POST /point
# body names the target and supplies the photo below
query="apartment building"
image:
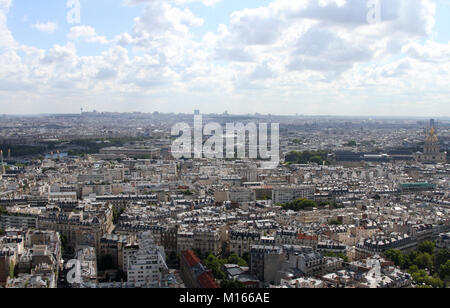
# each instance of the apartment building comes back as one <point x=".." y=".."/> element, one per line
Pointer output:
<point x="241" y="241"/>
<point x="265" y="262"/>
<point x="287" y="194"/>
<point x="148" y="266"/>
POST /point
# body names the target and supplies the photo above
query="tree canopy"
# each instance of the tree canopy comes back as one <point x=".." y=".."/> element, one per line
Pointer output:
<point x="216" y="264"/>
<point x="231" y="284"/>
<point x="307" y="157"/>
<point x="428" y="266"/>
<point x="300" y="204"/>
<point x="427" y="247"/>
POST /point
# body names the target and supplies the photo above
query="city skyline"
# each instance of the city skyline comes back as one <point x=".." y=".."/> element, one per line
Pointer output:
<point x="242" y="115"/>
<point x="224" y="151"/>
<point x="268" y="57"/>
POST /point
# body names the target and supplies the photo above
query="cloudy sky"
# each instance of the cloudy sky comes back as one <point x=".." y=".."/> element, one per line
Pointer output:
<point x="313" y="57"/>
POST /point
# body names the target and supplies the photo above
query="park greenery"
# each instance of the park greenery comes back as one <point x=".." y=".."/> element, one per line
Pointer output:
<point x="12" y="270"/>
<point x="23" y="150"/>
<point x="73" y="147"/>
<point x="351" y="143"/>
<point x="231" y="284"/>
<point x="318" y="157"/>
<point x="3" y="211"/>
<point x="216" y="265"/>
<point x="303" y="204"/>
<point x="64" y="244"/>
<point x="93" y="146"/>
<point x="334" y="223"/>
<point x="428" y="266"/>
<point x="188" y="193"/>
<point x="300" y="204"/>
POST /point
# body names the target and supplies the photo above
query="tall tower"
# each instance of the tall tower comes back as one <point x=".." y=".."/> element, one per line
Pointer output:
<point x="9" y="154"/>
<point x="433" y="124"/>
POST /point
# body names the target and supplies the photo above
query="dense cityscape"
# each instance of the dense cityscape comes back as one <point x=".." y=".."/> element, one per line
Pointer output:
<point x="97" y="200"/>
<point x="224" y="152"/>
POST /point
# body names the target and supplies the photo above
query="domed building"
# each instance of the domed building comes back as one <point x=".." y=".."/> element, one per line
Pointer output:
<point x="432" y="153"/>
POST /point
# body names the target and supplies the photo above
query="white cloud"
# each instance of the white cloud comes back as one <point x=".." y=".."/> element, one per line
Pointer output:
<point x="290" y="56"/>
<point x="6" y="38"/>
<point x="209" y="3"/>
<point x="48" y="27"/>
<point x="88" y="33"/>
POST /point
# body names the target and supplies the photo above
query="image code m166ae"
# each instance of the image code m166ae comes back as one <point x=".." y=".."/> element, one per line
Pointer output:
<point x="223" y="152"/>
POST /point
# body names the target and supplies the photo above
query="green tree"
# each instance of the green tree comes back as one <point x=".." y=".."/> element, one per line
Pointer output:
<point x="424" y="261"/>
<point x="316" y="159"/>
<point x="351" y="143"/>
<point x="422" y="278"/>
<point x="435" y="282"/>
<point x="234" y="259"/>
<point x="116" y="214"/>
<point x="334" y="223"/>
<point x="63" y="243"/>
<point x="215" y="265"/>
<point x="444" y="271"/>
<point x="427" y="247"/>
<point x="442" y="256"/>
<point x="413" y="269"/>
<point x="300" y="205"/>
<point x="12" y="271"/>
<point x="231" y="284"/>
<point x="3" y="211"/>
<point x="395" y="256"/>
<point x="307" y="157"/>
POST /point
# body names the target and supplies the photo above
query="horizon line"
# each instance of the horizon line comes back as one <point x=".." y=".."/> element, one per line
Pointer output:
<point x="228" y="114"/>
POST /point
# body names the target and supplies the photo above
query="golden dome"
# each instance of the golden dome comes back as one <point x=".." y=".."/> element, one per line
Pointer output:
<point x="432" y="138"/>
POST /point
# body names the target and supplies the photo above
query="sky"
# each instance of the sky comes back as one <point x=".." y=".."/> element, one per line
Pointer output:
<point x="309" y="57"/>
